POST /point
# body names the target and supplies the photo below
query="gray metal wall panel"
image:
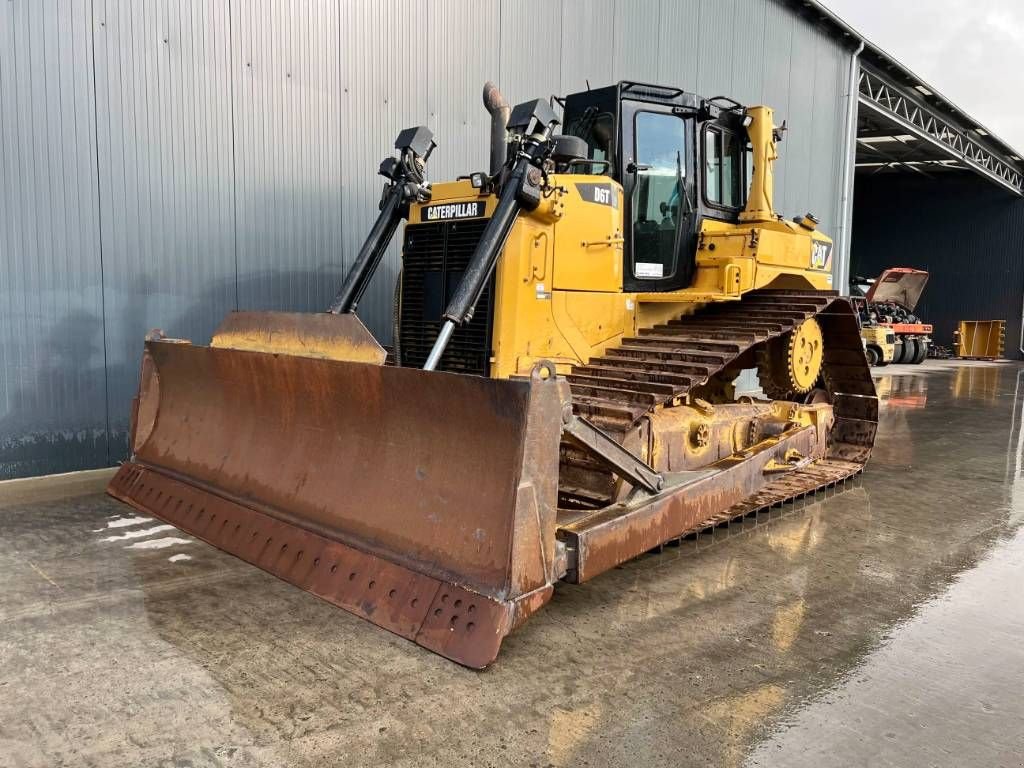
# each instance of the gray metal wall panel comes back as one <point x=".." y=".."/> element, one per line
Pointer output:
<point x="455" y="82"/>
<point x="587" y="39"/>
<point x="235" y="164"/>
<point x="777" y="57"/>
<point x="797" y="151"/>
<point x="716" y="45"/>
<point x="635" y="47"/>
<point x="530" y="49"/>
<point x="52" y="409"/>
<point x="384" y="75"/>
<point x="825" y="176"/>
<point x="749" y="69"/>
<point x="166" y="180"/>
<point x="285" y="74"/>
<point x="679" y="43"/>
<point x="810" y="172"/>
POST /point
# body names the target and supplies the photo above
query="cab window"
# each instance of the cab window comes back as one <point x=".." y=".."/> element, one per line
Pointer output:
<point x="597" y="129"/>
<point x="660" y="163"/>
<point x="725" y="177"/>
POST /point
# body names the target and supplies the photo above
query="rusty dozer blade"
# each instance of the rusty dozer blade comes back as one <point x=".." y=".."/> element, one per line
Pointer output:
<point x="422" y="502"/>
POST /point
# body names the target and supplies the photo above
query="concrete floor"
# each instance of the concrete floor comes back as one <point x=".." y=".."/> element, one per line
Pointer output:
<point x="882" y="626"/>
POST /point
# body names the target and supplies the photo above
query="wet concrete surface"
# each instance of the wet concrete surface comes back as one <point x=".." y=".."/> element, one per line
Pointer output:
<point x="881" y="626"/>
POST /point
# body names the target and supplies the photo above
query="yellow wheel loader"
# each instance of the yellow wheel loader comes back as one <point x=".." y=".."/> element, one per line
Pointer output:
<point x="569" y="326"/>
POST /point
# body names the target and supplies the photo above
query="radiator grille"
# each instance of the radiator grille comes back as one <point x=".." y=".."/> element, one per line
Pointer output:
<point x="434" y="257"/>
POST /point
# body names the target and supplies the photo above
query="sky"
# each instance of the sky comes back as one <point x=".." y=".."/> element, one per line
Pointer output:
<point x="971" y="51"/>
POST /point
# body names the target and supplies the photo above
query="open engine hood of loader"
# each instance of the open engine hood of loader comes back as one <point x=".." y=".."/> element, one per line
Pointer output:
<point x="899" y="285"/>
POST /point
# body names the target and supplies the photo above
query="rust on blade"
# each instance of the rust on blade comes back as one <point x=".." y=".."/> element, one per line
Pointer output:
<point x="455" y="622"/>
<point x="452" y="479"/>
<point x="323" y="335"/>
<point x="621" y="532"/>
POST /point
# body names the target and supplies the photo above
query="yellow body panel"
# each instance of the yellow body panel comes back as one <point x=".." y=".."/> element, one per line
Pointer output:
<point x="590" y="238"/>
<point x="559" y="281"/>
<point x="559" y="293"/>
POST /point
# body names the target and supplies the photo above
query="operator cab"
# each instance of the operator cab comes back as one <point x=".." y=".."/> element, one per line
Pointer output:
<point x="679" y="158"/>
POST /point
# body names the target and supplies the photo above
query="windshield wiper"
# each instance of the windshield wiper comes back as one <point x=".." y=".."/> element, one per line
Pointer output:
<point x="682" y="186"/>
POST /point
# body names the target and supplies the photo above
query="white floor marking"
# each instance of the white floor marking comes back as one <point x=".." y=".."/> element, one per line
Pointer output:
<point x="166" y="541"/>
<point x="121" y="522"/>
<point x="139" y="533"/>
<point x="179" y="557"/>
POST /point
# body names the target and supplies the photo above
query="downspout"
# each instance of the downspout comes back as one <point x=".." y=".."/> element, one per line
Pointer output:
<point x="846" y="201"/>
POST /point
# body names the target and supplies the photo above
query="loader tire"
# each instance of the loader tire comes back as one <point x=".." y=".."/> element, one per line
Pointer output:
<point x="872" y="355"/>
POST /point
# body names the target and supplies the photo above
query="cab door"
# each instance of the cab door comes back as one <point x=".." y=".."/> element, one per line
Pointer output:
<point x="661" y="220"/>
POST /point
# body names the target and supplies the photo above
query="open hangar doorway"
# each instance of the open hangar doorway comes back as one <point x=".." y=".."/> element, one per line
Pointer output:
<point x="935" y="190"/>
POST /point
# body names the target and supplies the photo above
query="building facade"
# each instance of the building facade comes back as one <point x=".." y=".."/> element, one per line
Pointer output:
<point x="166" y="162"/>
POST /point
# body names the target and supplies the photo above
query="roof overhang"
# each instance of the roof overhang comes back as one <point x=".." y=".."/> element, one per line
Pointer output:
<point x="898" y="130"/>
<point x="906" y="125"/>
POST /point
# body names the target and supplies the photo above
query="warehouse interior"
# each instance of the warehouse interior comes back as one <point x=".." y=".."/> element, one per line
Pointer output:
<point x="287" y="553"/>
<point x="968" y="221"/>
<point x="938" y="191"/>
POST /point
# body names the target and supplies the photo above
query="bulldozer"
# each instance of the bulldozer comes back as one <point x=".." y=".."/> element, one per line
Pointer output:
<point x="560" y="395"/>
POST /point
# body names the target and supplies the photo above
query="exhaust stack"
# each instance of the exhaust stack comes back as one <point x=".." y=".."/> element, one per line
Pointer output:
<point x="499" y="110"/>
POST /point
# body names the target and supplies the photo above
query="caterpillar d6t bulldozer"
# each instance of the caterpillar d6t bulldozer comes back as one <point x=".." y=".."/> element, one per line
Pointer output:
<point x="569" y="327"/>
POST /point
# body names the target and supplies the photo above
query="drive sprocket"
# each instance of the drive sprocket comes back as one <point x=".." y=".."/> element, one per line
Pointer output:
<point x="791" y="364"/>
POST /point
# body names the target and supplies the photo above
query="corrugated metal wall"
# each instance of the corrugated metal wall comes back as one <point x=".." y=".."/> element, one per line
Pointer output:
<point x="167" y="161"/>
<point x="967" y="232"/>
<point x="52" y="347"/>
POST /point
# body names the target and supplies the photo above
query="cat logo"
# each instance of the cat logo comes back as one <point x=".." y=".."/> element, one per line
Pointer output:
<point x="447" y="211"/>
<point x="821" y="255"/>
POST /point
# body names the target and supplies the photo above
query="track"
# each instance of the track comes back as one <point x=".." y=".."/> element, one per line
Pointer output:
<point x="659" y="367"/>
